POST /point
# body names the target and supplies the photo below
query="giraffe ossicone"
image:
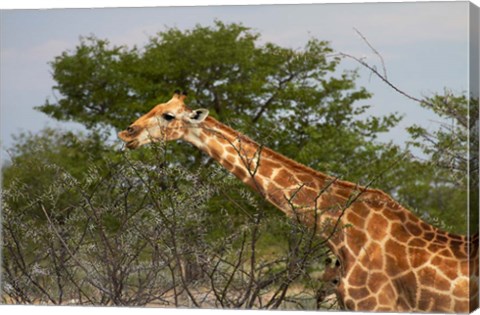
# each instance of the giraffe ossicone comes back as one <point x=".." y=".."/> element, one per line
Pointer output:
<point x="390" y="260"/>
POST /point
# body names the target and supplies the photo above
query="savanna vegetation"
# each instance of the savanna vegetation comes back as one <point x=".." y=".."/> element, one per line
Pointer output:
<point x="85" y="222"/>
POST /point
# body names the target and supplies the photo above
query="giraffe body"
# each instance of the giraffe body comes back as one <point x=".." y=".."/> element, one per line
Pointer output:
<point x="390" y="260"/>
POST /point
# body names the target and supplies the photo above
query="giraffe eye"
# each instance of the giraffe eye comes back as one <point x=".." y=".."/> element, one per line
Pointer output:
<point x="168" y="117"/>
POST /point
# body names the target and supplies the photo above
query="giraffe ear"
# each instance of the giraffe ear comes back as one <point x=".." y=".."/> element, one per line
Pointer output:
<point x="198" y="115"/>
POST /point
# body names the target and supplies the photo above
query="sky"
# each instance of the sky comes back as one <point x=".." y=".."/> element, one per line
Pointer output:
<point x="424" y="47"/>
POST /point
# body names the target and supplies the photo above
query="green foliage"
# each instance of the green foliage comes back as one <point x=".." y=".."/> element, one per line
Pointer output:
<point x="37" y="162"/>
<point x="223" y="67"/>
<point x="452" y="150"/>
<point x="448" y="145"/>
<point x="63" y="148"/>
<point x="93" y="82"/>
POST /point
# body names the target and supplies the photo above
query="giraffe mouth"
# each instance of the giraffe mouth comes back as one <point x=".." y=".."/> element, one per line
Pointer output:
<point x="132" y="144"/>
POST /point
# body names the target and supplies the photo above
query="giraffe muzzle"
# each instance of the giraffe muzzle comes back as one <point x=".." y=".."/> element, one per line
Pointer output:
<point x="132" y="144"/>
<point x="127" y="135"/>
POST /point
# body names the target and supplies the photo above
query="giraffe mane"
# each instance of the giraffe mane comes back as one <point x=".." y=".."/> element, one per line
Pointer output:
<point x="367" y="192"/>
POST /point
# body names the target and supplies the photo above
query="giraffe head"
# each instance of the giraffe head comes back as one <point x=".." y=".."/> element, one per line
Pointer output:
<point x="165" y="122"/>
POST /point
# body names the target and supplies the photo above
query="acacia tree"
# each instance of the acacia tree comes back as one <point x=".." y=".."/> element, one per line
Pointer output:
<point x="256" y="88"/>
<point x="293" y="100"/>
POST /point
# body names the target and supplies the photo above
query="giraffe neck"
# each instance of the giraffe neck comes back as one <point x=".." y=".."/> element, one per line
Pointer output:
<point x="290" y="186"/>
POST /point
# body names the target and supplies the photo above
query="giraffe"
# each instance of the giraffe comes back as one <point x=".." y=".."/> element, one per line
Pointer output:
<point x="388" y="259"/>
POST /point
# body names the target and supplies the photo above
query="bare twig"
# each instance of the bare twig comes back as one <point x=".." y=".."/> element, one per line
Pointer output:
<point x="374" y="51"/>
<point x="384" y="79"/>
<point x="67" y="248"/>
